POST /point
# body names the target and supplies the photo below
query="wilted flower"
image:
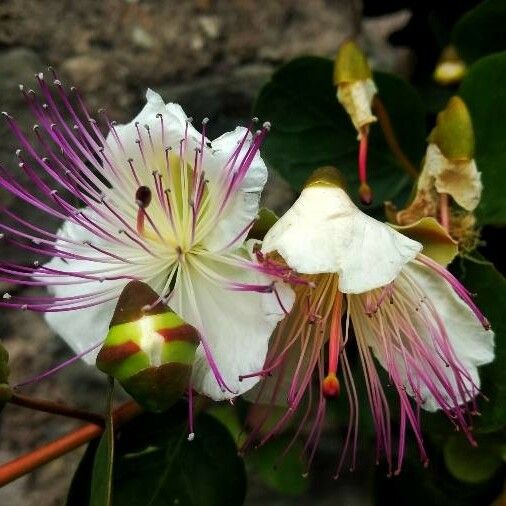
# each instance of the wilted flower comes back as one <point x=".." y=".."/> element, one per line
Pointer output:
<point x="154" y="201"/>
<point x="369" y="286"/>
<point x="355" y="91"/>
<point x="449" y="186"/>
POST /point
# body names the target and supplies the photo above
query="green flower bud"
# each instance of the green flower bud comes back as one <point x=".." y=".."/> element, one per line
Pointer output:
<point x="453" y="133"/>
<point x="350" y="64"/>
<point x="149" y="349"/>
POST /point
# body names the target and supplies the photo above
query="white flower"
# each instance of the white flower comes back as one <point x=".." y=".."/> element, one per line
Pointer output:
<point x="405" y="309"/>
<point x="160" y="203"/>
<point x="458" y="178"/>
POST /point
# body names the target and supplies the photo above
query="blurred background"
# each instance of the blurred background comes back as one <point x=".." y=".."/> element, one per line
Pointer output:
<point x="211" y="56"/>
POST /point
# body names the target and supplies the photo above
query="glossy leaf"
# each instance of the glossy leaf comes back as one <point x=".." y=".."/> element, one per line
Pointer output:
<point x="155" y="464"/>
<point x="484" y="92"/>
<point x="281" y="472"/>
<point x="472" y="464"/>
<point x="480" y="31"/>
<point x="310" y="128"/>
<point x="434" y="486"/>
<point x="481" y="278"/>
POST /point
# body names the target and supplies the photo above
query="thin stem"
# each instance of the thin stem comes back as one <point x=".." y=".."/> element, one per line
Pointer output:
<point x="444" y="211"/>
<point x="65" y="444"/>
<point x="56" y="409"/>
<point x="388" y="131"/>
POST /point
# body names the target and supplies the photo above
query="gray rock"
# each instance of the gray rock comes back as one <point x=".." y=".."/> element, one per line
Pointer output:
<point x="18" y="66"/>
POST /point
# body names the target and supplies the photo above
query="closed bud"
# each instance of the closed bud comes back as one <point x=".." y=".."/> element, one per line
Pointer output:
<point x="350" y="64"/>
<point x="453" y="133"/>
<point x="149" y="349"/>
<point x="450" y="69"/>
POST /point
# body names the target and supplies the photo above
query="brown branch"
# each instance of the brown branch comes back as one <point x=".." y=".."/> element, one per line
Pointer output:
<point x="65" y="444"/>
<point x="56" y="408"/>
<point x="388" y="131"/>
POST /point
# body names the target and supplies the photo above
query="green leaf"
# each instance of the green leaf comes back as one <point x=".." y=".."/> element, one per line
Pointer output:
<point x="432" y="486"/>
<point x="155" y="464"/>
<point x="480" y="31"/>
<point x="283" y="473"/>
<point x="101" y="479"/>
<point x="472" y="464"/>
<point x="481" y="278"/>
<point x="484" y="92"/>
<point x="310" y="128"/>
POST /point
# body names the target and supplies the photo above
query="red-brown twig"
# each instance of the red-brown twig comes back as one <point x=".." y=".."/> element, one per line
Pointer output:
<point x="65" y="444"/>
<point x="56" y="408"/>
<point x="388" y="131"/>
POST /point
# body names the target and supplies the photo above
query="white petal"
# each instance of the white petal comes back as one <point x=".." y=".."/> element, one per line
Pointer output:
<point x="174" y="127"/>
<point x="325" y="232"/>
<point x="243" y="207"/>
<point x="81" y="328"/>
<point x="472" y="344"/>
<point x="236" y="325"/>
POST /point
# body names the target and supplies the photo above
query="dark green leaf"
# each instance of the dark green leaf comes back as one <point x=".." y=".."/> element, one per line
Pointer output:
<point x="481" y="278"/>
<point x="311" y="129"/>
<point x="155" y="464"/>
<point x="101" y="479"/>
<point x="434" y="486"/>
<point x="472" y="464"/>
<point x="484" y="92"/>
<point x="480" y="32"/>
<point x="281" y="472"/>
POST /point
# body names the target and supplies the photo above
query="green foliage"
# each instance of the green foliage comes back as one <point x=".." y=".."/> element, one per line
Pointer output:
<point x="484" y="92"/>
<point x="472" y="464"/>
<point x="310" y="128"/>
<point x="482" y="278"/>
<point x="480" y="32"/>
<point x="155" y="464"/>
<point x="282" y="472"/>
<point x="434" y="486"/>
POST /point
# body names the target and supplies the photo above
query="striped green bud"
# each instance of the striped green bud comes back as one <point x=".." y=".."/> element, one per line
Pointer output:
<point x="149" y="349"/>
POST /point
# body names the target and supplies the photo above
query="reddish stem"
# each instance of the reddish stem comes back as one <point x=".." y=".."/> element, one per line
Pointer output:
<point x="388" y="131"/>
<point x="65" y="444"/>
<point x="56" y="408"/>
<point x="444" y="211"/>
<point x="362" y="157"/>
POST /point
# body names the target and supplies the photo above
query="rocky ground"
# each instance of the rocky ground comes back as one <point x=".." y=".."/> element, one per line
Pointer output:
<point x="212" y="57"/>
